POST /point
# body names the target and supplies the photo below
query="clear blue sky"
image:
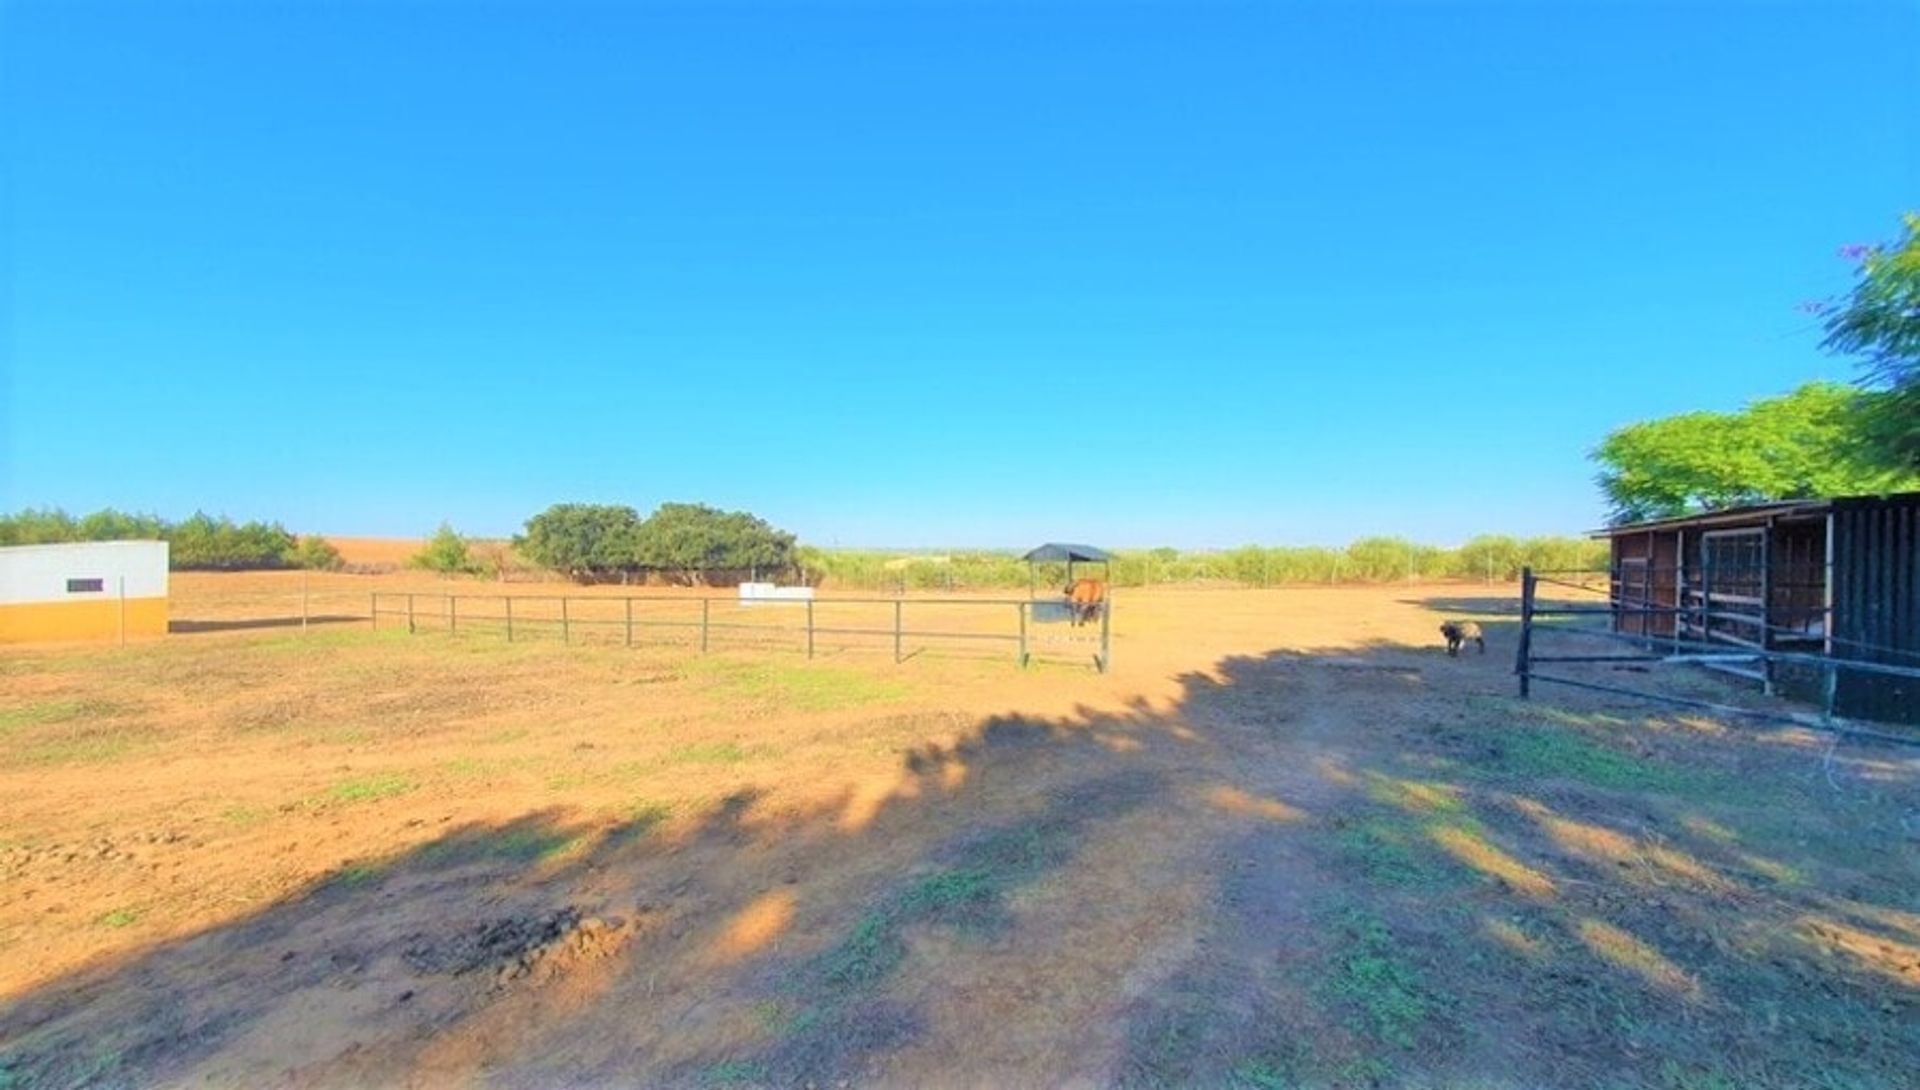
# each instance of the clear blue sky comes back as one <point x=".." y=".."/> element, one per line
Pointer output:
<point x="914" y="273"/>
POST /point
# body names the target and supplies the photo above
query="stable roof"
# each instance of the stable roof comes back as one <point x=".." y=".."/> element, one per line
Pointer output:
<point x="1746" y="513"/>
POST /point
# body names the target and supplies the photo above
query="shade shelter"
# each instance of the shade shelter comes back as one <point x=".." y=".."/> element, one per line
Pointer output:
<point x="1054" y="552"/>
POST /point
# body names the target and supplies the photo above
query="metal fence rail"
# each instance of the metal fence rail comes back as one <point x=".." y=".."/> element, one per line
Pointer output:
<point x="629" y="618"/>
<point x="1699" y="646"/>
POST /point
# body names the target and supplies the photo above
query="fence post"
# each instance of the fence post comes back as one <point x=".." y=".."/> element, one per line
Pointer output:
<point x="1021" y="608"/>
<point x="565" y="635"/>
<point x="409" y="614"/>
<point x="123" y="611"/>
<point x="896" y="630"/>
<point x="810" y="627"/>
<point x="1524" y="650"/>
<point x="704" y="613"/>
<point x="373" y="610"/>
<point x="453" y="615"/>
<point x="629" y="622"/>
<point x="305" y="578"/>
<point x="508" y="599"/>
<point x="1106" y="634"/>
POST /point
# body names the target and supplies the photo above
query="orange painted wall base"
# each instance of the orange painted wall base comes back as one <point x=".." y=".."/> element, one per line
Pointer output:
<point x="94" y="619"/>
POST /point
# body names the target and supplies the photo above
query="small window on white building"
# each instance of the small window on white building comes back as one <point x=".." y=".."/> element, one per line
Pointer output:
<point x="86" y="586"/>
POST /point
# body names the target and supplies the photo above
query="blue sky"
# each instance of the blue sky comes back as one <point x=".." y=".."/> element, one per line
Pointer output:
<point x="914" y="273"/>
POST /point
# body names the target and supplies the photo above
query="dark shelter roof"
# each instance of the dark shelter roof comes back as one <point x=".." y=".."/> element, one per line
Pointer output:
<point x="1055" y="550"/>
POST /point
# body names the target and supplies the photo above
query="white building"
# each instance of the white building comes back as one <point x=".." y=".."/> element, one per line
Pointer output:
<point x="83" y="590"/>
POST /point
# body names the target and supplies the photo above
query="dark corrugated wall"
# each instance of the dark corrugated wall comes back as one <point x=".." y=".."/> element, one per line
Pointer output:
<point x="1876" y="604"/>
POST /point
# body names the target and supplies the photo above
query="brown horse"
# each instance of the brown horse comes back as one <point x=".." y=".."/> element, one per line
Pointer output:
<point x="1085" y="599"/>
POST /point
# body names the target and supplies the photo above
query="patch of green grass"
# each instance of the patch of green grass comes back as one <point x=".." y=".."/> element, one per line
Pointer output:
<point x="520" y="845"/>
<point x="358" y="874"/>
<point x="733" y="1073"/>
<point x="93" y="747"/>
<point x="1387" y="993"/>
<point x="969" y="895"/>
<point x="1261" y="1074"/>
<point x="1676" y="1076"/>
<point x="66" y="732"/>
<point x="46" y="712"/>
<point x="869" y="952"/>
<point x="385" y="785"/>
<point x="796" y="687"/>
<point x="1391" y="853"/>
<point x="329" y="637"/>
<point x="121" y="917"/>
<point x="640" y="819"/>
<point x="707" y="753"/>
<point x="1560" y="753"/>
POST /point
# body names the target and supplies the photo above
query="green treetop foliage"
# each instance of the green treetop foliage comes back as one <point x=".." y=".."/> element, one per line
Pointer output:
<point x="1809" y="443"/>
<point x="200" y="543"/>
<point x="446" y="552"/>
<point x="592" y="542"/>
<point x="316" y="554"/>
<point x="205" y="543"/>
<point x="586" y="541"/>
<point x="690" y="538"/>
<point x="1879" y="322"/>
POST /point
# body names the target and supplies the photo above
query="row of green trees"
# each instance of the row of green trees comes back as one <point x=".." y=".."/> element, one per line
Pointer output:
<point x="1369" y="560"/>
<point x="199" y="543"/>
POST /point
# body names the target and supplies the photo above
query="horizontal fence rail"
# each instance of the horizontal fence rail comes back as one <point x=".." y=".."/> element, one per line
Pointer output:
<point x="1029" y="627"/>
<point x="1700" y="644"/>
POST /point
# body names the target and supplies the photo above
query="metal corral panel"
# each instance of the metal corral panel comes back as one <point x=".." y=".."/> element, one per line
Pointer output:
<point x="88" y="590"/>
<point x="1876" y="603"/>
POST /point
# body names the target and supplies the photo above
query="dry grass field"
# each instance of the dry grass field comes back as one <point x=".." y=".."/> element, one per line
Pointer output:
<point x="1286" y="842"/>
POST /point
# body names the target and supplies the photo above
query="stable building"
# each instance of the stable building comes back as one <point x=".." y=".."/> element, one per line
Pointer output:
<point x="1836" y="578"/>
<point x="83" y="590"/>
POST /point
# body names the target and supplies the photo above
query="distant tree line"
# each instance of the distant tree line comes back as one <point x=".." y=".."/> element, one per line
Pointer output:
<point x="693" y="543"/>
<point x="1368" y="560"/>
<point x="199" y="543"/>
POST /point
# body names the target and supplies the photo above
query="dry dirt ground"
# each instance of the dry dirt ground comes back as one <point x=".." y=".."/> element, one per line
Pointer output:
<point x="1287" y="842"/>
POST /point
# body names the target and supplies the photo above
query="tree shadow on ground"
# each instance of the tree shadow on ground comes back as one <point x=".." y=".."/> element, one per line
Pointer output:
<point x="1345" y="867"/>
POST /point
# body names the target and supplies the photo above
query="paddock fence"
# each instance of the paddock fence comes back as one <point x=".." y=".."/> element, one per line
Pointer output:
<point x="1584" y="626"/>
<point x="1030" y="630"/>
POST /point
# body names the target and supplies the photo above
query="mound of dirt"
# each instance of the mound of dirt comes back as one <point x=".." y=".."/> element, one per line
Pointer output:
<point x="532" y="945"/>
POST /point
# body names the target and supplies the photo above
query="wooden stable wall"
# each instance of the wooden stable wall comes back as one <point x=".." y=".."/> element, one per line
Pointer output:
<point x="1645" y="576"/>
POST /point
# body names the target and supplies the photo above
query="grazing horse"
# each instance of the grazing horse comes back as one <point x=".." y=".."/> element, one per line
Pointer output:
<point x="1085" y="599"/>
<point x="1459" y="632"/>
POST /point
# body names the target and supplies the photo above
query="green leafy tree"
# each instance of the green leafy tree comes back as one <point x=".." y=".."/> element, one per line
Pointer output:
<point x="1805" y="444"/>
<point x="691" y="539"/>
<point x="446" y="552"/>
<point x="205" y="543"/>
<point x="38" y="526"/>
<point x="1879" y="322"/>
<point x="315" y="554"/>
<point x="586" y="541"/>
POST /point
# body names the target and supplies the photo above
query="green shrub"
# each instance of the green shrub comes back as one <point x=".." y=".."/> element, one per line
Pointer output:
<point x="315" y="554"/>
<point x="446" y="552"/>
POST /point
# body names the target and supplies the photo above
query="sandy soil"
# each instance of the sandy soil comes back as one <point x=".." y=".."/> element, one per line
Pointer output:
<point x="1285" y="842"/>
